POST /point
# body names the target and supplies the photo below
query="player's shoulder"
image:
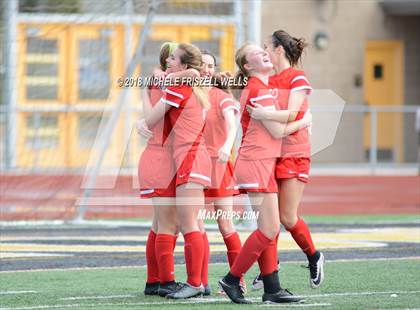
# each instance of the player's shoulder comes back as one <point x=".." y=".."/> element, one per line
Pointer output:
<point x="296" y="74"/>
<point x="256" y="87"/>
<point x="181" y="91"/>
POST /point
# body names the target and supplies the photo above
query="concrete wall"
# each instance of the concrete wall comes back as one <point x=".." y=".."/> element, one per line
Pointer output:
<point x="349" y="25"/>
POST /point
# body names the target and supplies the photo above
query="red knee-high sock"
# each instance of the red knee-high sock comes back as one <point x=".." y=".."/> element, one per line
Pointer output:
<point x="268" y="259"/>
<point x="300" y="232"/>
<point x="164" y="249"/>
<point x="193" y="251"/>
<point x="251" y="250"/>
<point x="152" y="264"/>
<point x="206" y="259"/>
<point x="233" y="245"/>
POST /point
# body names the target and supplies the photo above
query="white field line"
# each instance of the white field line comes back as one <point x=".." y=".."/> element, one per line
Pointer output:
<point x="167" y="303"/>
<point x="209" y="300"/>
<point x="96" y="297"/>
<point x="297" y="305"/>
<point x="360" y="294"/>
<point x="16" y="292"/>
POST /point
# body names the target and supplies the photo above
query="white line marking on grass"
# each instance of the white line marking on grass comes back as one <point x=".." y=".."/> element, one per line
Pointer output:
<point x="360" y="294"/>
<point x="288" y="305"/>
<point x="96" y="297"/>
<point x="167" y="303"/>
<point x="17" y="292"/>
<point x="207" y="300"/>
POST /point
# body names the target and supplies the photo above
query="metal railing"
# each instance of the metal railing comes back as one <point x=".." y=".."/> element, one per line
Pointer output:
<point x="371" y="111"/>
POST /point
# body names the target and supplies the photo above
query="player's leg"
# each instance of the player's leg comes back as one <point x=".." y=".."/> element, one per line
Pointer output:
<point x="206" y="259"/>
<point x="165" y="244"/>
<point x="152" y="282"/>
<point x="290" y="197"/>
<point x="265" y="204"/>
<point x="229" y="233"/>
<point x="190" y="199"/>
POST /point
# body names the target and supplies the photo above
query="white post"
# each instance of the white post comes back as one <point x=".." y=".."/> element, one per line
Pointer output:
<point x="128" y="31"/>
<point x="10" y="96"/>
<point x="373" y="154"/>
<point x="239" y="24"/>
<point x="254" y="21"/>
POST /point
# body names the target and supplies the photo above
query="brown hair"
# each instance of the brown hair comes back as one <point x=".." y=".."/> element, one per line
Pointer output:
<point x="166" y="50"/>
<point x="292" y="46"/>
<point x="207" y="52"/>
<point x="242" y="74"/>
<point x="191" y="57"/>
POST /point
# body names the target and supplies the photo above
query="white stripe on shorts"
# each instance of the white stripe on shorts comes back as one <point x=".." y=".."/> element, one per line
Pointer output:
<point x="200" y="176"/>
<point x="147" y="191"/>
<point x="247" y="185"/>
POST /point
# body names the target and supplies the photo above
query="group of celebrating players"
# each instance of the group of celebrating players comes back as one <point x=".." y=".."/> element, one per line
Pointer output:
<point x="191" y="132"/>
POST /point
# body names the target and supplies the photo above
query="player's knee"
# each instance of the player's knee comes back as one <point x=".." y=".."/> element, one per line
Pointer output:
<point x="288" y="221"/>
<point x="270" y="232"/>
<point x="225" y="227"/>
<point x="168" y="227"/>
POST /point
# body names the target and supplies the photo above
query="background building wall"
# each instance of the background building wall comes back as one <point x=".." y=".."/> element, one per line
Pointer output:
<point x="349" y="25"/>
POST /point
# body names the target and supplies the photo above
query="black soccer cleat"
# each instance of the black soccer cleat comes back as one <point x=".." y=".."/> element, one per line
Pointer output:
<point x="168" y="288"/>
<point x="257" y="283"/>
<point x="151" y="288"/>
<point x="233" y="292"/>
<point x="207" y="290"/>
<point x="282" y="296"/>
<point x="316" y="269"/>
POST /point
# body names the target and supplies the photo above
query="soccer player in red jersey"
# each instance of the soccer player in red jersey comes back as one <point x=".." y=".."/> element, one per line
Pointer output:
<point x="255" y="172"/>
<point x="220" y="133"/>
<point x="292" y="168"/>
<point x="184" y="106"/>
<point x="156" y="178"/>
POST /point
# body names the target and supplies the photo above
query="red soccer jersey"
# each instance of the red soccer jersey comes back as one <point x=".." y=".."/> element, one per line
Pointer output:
<point x="257" y="142"/>
<point x="186" y="115"/>
<point x="288" y="81"/>
<point x="215" y="131"/>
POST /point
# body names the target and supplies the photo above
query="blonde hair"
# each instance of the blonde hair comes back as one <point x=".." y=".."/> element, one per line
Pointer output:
<point x="191" y="57"/>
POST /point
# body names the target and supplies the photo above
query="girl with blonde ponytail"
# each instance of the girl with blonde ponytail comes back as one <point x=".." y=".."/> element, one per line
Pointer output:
<point x="184" y="109"/>
<point x="254" y="169"/>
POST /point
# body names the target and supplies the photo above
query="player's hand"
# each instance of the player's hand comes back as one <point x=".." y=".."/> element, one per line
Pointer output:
<point x="224" y="74"/>
<point x="224" y="154"/>
<point x="257" y="111"/>
<point x="142" y="129"/>
<point x="159" y="73"/>
<point x="307" y="119"/>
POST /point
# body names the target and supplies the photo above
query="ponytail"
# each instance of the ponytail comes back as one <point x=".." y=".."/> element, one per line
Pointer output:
<point x="292" y="46"/>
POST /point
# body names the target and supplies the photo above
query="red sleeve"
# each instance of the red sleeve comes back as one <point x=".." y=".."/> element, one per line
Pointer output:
<point x="176" y="96"/>
<point x="226" y="102"/>
<point x="300" y="82"/>
<point x="263" y="97"/>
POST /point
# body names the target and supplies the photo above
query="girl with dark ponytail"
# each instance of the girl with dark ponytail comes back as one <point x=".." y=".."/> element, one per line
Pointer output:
<point x="292" y="168"/>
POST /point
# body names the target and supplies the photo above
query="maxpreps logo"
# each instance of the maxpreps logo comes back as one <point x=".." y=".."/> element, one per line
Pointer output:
<point x="227" y="215"/>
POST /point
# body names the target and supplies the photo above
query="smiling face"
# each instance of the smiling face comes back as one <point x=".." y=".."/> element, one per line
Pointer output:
<point x="174" y="63"/>
<point x="208" y="67"/>
<point x="257" y="59"/>
<point x="276" y="53"/>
